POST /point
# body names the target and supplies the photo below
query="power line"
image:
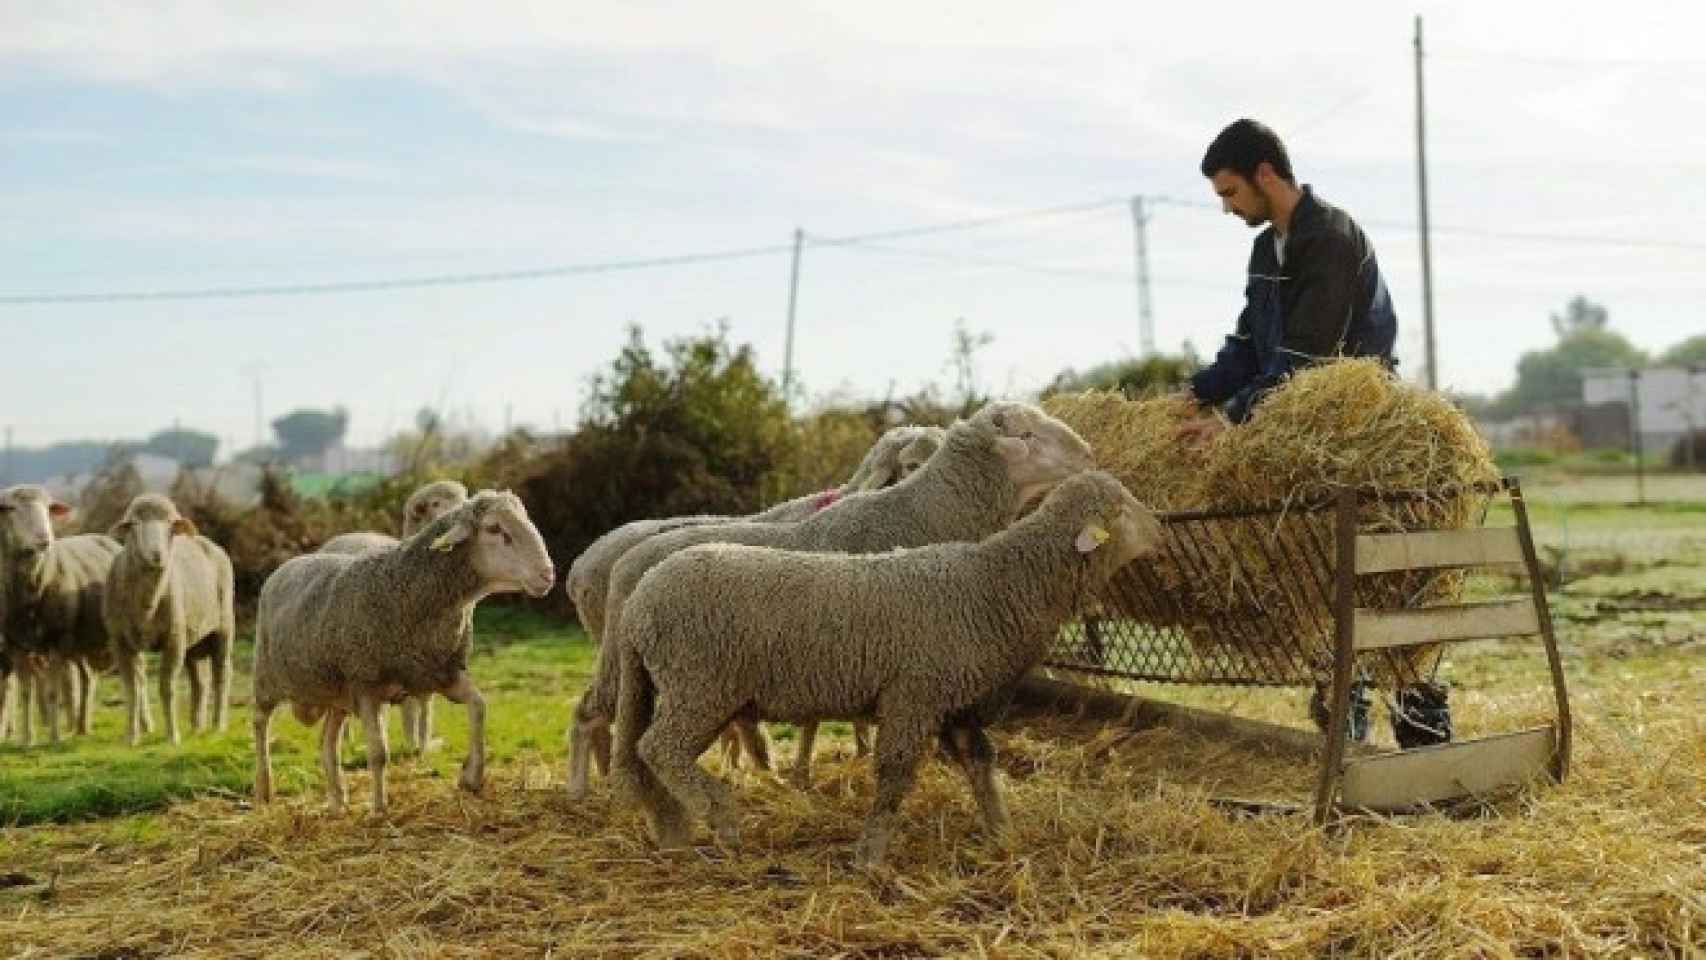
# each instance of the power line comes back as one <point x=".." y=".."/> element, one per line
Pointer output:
<point x="1076" y="273"/>
<point x="1572" y="62"/>
<point x="540" y="273"/>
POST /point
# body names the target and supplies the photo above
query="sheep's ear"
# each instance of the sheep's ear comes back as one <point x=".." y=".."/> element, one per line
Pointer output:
<point x="57" y="509"/>
<point x="448" y="540"/>
<point x="1013" y="449"/>
<point x="185" y="527"/>
<point x="120" y="530"/>
<point x="878" y="479"/>
<point x="1092" y="536"/>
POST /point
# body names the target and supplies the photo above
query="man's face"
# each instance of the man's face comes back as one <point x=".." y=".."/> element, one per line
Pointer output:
<point x="1240" y="196"/>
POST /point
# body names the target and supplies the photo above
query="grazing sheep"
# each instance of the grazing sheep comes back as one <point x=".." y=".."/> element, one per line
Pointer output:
<point x="988" y="467"/>
<point x="337" y="634"/>
<point x="919" y="639"/>
<point x="896" y="454"/>
<point x="426" y="504"/>
<point x="52" y="587"/>
<point x="170" y="591"/>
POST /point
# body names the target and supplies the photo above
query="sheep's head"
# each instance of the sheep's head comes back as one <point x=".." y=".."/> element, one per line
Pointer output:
<point x="921" y="448"/>
<point x="1110" y="526"/>
<point x="881" y="466"/>
<point x="1040" y="450"/>
<point x="430" y="502"/>
<point x="26" y="518"/>
<point x="507" y="551"/>
<point x="149" y="526"/>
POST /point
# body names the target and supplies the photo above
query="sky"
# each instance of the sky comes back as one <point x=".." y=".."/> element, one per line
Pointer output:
<point x="204" y="146"/>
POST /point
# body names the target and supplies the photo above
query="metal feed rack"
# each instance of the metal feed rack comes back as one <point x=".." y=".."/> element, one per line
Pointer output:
<point x="1321" y="594"/>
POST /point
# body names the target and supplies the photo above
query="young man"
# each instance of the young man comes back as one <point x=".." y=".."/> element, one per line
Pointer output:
<point x="1314" y="291"/>
<point x="1314" y="287"/>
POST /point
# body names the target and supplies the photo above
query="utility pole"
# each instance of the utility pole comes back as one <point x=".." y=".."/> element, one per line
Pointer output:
<point x="1422" y="184"/>
<point x="1145" y="316"/>
<point x="793" y="300"/>
<point x="254" y="371"/>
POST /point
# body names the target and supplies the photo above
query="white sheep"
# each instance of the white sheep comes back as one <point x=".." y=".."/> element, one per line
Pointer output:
<point x="53" y="588"/>
<point x="170" y="591"/>
<point x="919" y="639"/>
<point x="337" y="634"/>
<point x="429" y="502"/>
<point x="988" y="467"/>
<point x="895" y="455"/>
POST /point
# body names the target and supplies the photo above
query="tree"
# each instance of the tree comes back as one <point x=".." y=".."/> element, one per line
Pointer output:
<point x="963" y="359"/>
<point x="1546" y="377"/>
<point x="1133" y="377"/>
<point x="1580" y="316"/>
<point x="1690" y="352"/>
<point x="307" y="433"/>
<point x="191" y="448"/>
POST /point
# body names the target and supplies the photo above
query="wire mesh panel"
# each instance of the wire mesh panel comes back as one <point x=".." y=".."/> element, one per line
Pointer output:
<point x="1245" y="597"/>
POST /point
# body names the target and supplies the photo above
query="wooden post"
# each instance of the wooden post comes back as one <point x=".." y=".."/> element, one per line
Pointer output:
<point x="1344" y="654"/>
<point x="1537" y="588"/>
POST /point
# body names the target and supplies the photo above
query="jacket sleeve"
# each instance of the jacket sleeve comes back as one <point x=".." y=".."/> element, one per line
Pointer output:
<point x="1233" y="367"/>
<point x="1319" y="300"/>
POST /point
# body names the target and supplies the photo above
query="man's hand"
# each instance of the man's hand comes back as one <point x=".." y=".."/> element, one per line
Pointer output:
<point x="1198" y="431"/>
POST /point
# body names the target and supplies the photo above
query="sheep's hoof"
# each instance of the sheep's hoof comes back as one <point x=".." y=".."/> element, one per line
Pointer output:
<point x="800" y="779"/>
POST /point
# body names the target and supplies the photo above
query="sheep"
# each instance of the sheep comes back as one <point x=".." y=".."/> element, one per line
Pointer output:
<point x="987" y="469"/>
<point x="53" y="588"/>
<point x="896" y="455"/>
<point x="337" y="633"/>
<point x="171" y="591"/>
<point x="921" y="639"/>
<point x="428" y="503"/>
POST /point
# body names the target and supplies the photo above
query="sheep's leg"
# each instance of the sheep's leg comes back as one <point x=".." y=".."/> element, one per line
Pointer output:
<point x="899" y="750"/>
<point x="171" y="664"/>
<point x="7" y="685"/>
<point x="142" y="695"/>
<point x="27" y="691"/>
<point x="87" y="680"/>
<point x="52" y="688"/>
<point x="729" y="738"/>
<point x="411" y="739"/>
<point x="801" y="775"/>
<point x="197" y="670"/>
<point x="130" y="673"/>
<point x="336" y="795"/>
<point x="861" y="738"/>
<point x="587" y="727"/>
<point x="630" y="777"/>
<point x="263" y="751"/>
<point x="378" y="752"/>
<point x="462" y="690"/>
<point x="671" y="747"/>
<point x="970" y="747"/>
<point x="222" y="680"/>
<point x="753" y="741"/>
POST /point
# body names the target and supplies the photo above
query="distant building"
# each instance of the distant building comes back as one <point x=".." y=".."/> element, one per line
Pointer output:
<point x="1671" y="400"/>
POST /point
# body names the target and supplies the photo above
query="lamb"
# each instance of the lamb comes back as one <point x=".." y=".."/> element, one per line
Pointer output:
<point x="337" y="633"/>
<point x="920" y="638"/>
<point x="170" y="591"/>
<point x="896" y="455"/>
<point x="52" y="588"/>
<point x="987" y="469"/>
<point x="426" y="504"/>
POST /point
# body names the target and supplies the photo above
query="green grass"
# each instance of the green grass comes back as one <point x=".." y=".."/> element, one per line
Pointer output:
<point x="528" y="667"/>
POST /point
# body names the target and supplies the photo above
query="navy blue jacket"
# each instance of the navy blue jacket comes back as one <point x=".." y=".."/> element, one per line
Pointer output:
<point x="1327" y="300"/>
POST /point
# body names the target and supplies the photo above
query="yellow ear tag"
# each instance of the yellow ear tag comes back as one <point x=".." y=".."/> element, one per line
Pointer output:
<point x="446" y="541"/>
<point x="1092" y="537"/>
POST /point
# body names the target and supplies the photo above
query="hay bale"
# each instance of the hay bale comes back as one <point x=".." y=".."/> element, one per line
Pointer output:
<point x="1236" y="588"/>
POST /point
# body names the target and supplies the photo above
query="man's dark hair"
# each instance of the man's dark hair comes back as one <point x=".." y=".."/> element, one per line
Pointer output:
<point x="1242" y="146"/>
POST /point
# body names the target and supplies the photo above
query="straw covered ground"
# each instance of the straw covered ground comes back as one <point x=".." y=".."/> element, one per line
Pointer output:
<point x="1118" y="850"/>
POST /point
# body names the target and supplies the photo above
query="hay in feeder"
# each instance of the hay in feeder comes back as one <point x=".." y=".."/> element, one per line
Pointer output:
<point x="1237" y="587"/>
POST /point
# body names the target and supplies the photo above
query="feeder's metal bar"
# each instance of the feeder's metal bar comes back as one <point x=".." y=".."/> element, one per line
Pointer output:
<point x="1266" y="645"/>
<point x="1344" y="619"/>
<point x="1537" y="587"/>
<point x="1255" y="646"/>
<point x="1243" y="639"/>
